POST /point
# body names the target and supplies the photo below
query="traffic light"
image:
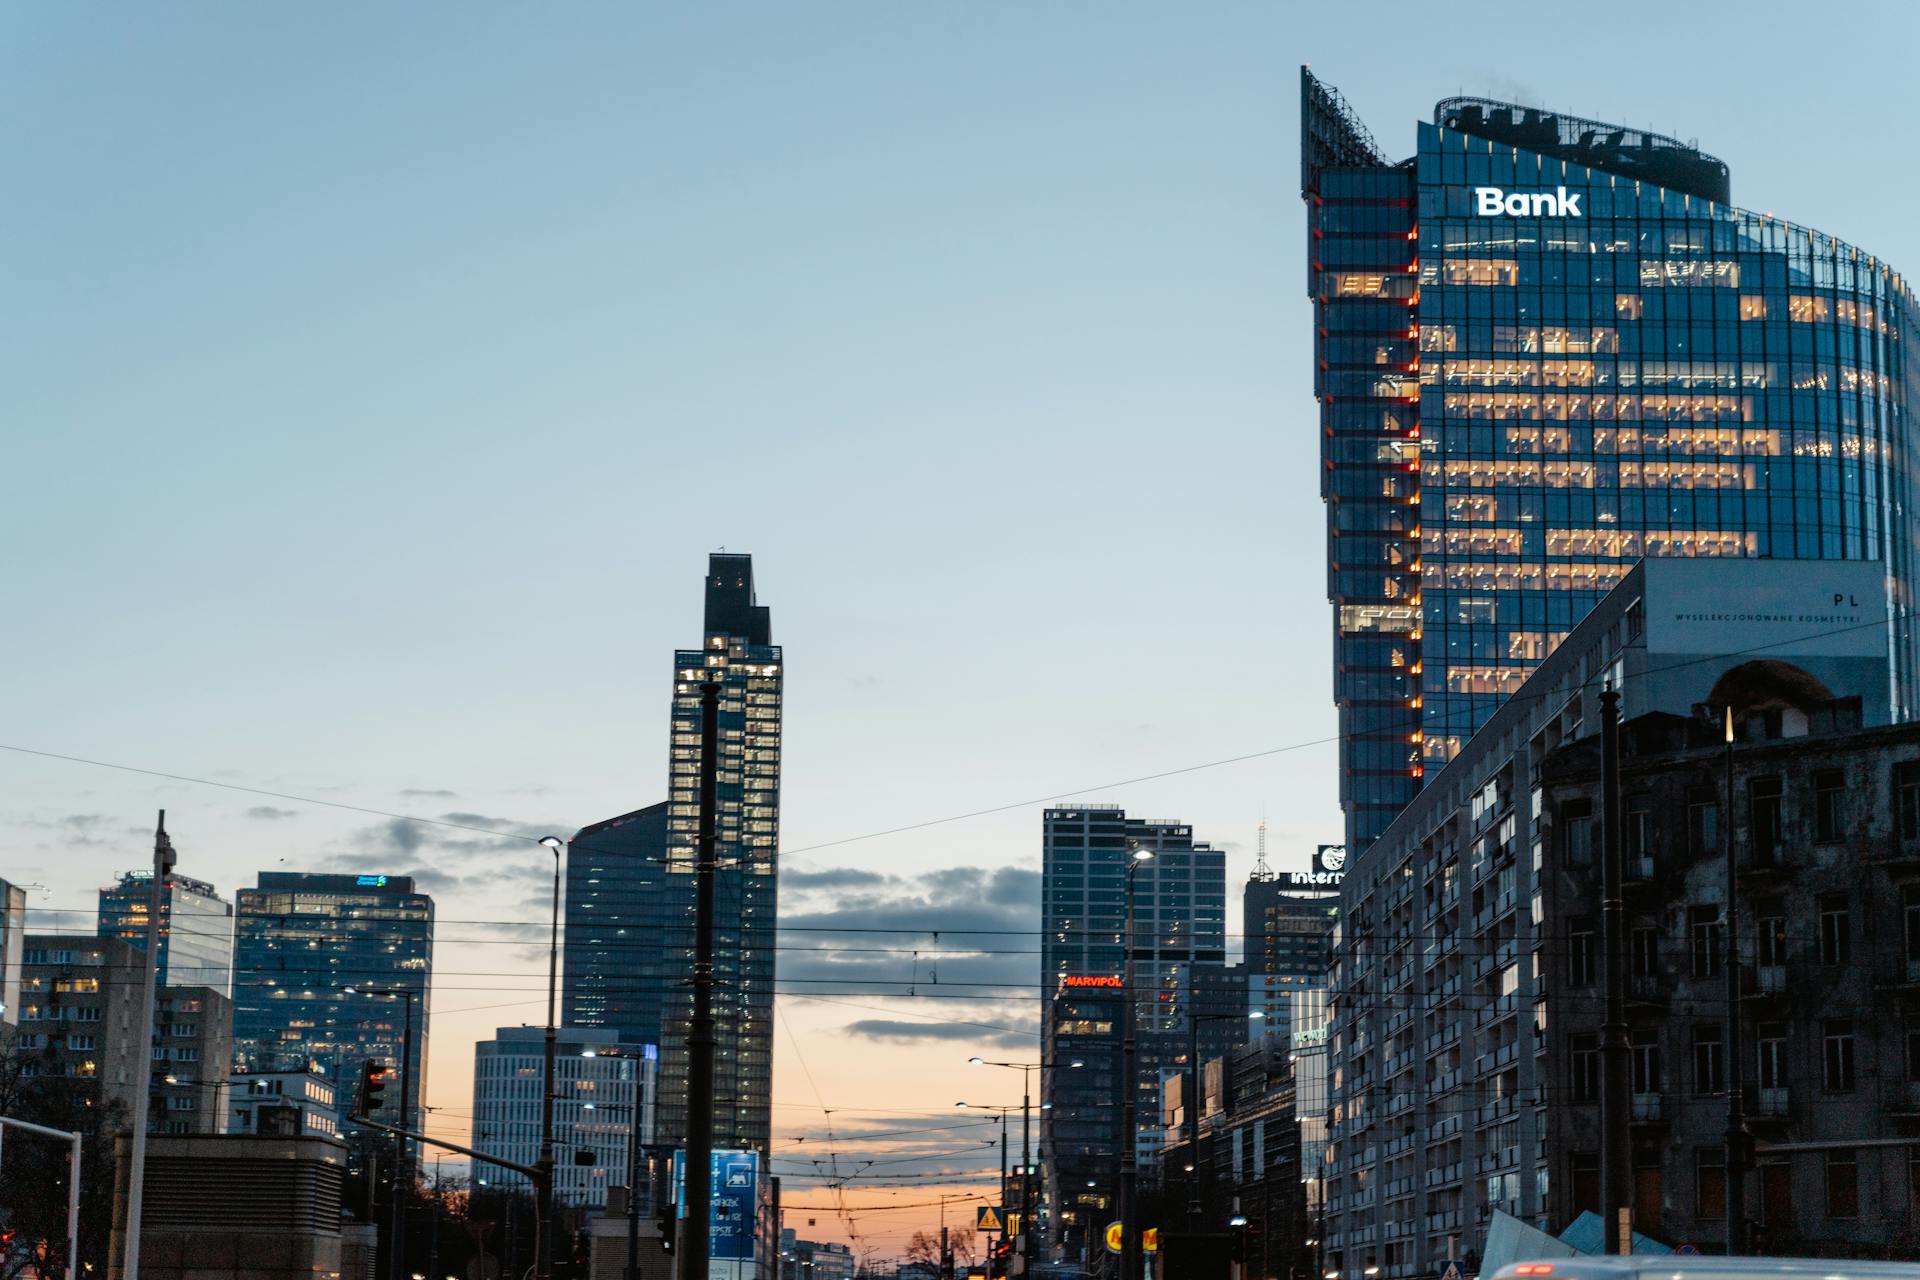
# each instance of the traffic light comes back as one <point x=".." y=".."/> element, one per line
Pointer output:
<point x="665" y="1224"/>
<point x="999" y="1257"/>
<point x="373" y="1084"/>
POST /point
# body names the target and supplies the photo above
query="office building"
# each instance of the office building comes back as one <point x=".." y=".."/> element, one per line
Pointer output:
<point x="13" y="943"/>
<point x="629" y="927"/>
<point x="80" y="1018"/>
<point x="1286" y="920"/>
<point x="737" y="652"/>
<point x="1546" y="347"/>
<point x="1445" y="1085"/>
<point x="1244" y="1162"/>
<point x="196" y="927"/>
<point x="602" y="1088"/>
<point x="813" y="1259"/>
<point x="1179" y="951"/>
<point x="287" y="1104"/>
<point x="329" y="970"/>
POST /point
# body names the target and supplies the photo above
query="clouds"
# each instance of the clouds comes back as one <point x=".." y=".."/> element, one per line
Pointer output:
<point x="267" y="813"/>
<point x="966" y="936"/>
<point x="902" y="1032"/>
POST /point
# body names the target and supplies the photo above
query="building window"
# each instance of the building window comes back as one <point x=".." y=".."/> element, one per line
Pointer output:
<point x="1710" y="1182"/>
<point x="1639" y="827"/>
<point x="1772" y="1040"/>
<point x="1708" y="939"/>
<point x="1910" y="918"/>
<point x="1836" y="931"/>
<point x="1763" y="820"/>
<point x="1829" y="806"/>
<point x="1583" y="954"/>
<point x="1577" y="819"/>
<point x="1703" y="824"/>
<point x="1643" y="953"/>
<point x="1585" y="1051"/>
<point x="1709" y="1061"/>
<point x="1646" y="1061"/>
<point x="1837" y="1057"/>
<point x="1772" y="951"/>
<point x="1906" y="792"/>
<point x="1843" y="1185"/>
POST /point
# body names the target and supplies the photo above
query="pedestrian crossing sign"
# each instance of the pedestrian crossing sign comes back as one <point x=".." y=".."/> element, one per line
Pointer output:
<point x="987" y="1217"/>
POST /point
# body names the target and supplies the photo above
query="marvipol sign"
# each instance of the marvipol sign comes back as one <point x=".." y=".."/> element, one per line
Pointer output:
<point x="1089" y="980"/>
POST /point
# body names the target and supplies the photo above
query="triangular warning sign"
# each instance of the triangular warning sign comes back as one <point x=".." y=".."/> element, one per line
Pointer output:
<point x="986" y="1219"/>
<point x="1450" y="1272"/>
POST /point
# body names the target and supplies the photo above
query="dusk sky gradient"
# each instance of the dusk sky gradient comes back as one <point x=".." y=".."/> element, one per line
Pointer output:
<point x="379" y="379"/>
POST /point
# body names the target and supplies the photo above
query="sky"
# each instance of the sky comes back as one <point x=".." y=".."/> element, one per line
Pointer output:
<point x="379" y="378"/>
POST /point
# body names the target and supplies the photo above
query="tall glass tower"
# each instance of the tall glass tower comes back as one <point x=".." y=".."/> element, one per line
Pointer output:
<point x="325" y="969"/>
<point x="737" y="652"/>
<point x="1544" y="348"/>
<point x="627" y="936"/>
<point x="1178" y="944"/>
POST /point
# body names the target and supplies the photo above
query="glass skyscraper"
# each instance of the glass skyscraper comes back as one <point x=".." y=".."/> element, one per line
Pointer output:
<point x="627" y="936"/>
<point x="1544" y="348"/>
<point x="1179" y="950"/>
<point x="196" y="928"/>
<point x="630" y="880"/>
<point x="301" y="941"/>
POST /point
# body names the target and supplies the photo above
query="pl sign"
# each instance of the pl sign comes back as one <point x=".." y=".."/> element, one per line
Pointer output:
<point x="1492" y="202"/>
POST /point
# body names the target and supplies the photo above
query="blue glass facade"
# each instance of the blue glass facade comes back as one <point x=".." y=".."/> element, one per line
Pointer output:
<point x="300" y="942"/>
<point x="626" y="936"/>
<point x="1521" y="397"/>
<point x="196" y="928"/>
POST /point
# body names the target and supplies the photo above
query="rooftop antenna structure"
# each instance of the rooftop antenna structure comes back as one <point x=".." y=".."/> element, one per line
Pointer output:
<point x="1261" y="871"/>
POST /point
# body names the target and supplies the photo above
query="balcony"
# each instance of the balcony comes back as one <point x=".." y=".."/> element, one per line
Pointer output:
<point x="1405" y="1142"/>
<point x="1444" y="1082"/>
<point x="1445" y="1036"/>
<point x="1649" y="989"/>
<point x="1398" y="1187"/>
<point x="1450" y="1126"/>
<point x="1444" y="1175"/>
<point x="1445" y="1221"/>
<point x="1647" y="1108"/>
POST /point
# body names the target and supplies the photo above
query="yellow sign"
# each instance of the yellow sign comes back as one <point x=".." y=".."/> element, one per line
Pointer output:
<point x="987" y="1218"/>
<point x="1116" y="1237"/>
<point x="1150" y="1240"/>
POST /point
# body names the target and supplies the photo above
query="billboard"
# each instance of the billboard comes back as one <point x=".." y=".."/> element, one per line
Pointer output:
<point x="735" y="1179"/>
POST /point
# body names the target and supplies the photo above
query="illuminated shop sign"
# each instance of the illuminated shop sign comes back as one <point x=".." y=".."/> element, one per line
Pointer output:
<point x="1492" y="202"/>
<point x="1089" y="980"/>
<point x="371" y="882"/>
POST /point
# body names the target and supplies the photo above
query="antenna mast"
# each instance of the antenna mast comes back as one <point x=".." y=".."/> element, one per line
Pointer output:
<point x="1261" y="871"/>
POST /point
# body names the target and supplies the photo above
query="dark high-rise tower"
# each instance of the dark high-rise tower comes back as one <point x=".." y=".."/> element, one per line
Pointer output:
<point x="1546" y="347"/>
<point x="630" y="883"/>
<point x="1179" y="954"/>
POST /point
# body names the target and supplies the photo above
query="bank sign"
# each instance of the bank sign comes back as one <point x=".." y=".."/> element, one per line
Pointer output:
<point x="736" y="1193"/>
<point x="1493" y="202"/>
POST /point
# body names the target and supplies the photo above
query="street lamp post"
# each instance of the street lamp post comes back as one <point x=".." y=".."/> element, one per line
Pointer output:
<point x="1129" y="1155"/>
<point x="1026" y="1148"/>
<point x="1195" y="1209"/>
<point x="543" y="1223"/>
<point x="976" y="1106"/>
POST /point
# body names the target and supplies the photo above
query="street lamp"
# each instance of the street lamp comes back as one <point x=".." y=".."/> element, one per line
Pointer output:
<point x="1026" y="1070"/>
<point x="1129" y="1092"/>
<point x="1194" y="1207"/>
<point x="543" y="1225"/>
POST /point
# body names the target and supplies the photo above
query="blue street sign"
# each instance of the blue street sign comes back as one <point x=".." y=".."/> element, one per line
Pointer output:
<point x="735" y="1182"/>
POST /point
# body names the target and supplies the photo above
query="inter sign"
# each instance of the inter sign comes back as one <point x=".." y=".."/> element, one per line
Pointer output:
<point x="1492" y="202"/>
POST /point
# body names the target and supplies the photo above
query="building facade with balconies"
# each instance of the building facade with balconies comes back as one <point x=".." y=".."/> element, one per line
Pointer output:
<point x="1826" y="841"/>
<point x="1444" y="1082"/>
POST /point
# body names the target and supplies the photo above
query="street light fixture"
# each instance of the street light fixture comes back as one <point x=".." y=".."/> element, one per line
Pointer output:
<point x="1026" y="1070"/>
<point x="1129" y="1091"/>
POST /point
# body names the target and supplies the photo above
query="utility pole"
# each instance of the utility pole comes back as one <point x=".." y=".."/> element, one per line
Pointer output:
<point x="1616" y="1173"/>
<point x="696" y="1239"/>
<point x="433" y="1244"/>
<point x="543" y="1224"/>
<point x="1026" y="1174"/>
<point x="1736" y="1050"/>
<point x="633" y="1182"/>
<point x="401" y="1181"/>
<point x="163" y="864"/>
<point x="1129" y="1156"/>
